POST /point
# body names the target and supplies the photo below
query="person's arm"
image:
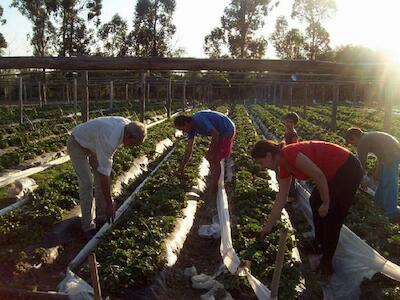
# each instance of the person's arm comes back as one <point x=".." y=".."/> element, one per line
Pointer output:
<point x="279" y="204"/>
<point x="105" y="182"/>
<point x="213" y="145"/>
<point x="187" y="155"/>
<point x="308" y="167"/>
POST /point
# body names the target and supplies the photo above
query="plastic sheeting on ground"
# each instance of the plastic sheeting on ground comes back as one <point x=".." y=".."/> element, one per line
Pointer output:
<point x="354" y="260"/>
<point x="229" y="256"/>
<point x="75" y="287"/>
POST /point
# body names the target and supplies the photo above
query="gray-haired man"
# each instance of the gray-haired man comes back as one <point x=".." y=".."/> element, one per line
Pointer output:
<point x="92" y="144"/>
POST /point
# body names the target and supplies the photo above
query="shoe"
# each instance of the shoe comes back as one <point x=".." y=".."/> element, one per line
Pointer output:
<point x="100" y="224"/>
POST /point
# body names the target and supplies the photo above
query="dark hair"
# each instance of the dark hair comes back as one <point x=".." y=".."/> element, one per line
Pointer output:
<point x="352" y="132"/>
<point x="292" y="116"/>
<point x="182" y="120"/>
<point x="261" y="148"/>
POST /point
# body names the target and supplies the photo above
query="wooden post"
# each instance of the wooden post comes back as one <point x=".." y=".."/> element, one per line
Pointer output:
<point x="75" y="96"/>
<point x="40" y="94"/>
<point x="127" y="92"/>
<point x="334" y="106"/>
<point x="85" y="96"/>
<point x="25" y="94"/>
<point x="305" y="100"/>
<point x="290" y="96"/>
<point x="269" y="93"/>
<point x="68" y="94"/>
<point x="94" y="275"/>
<point x="184" y="95"/>
<point x="169" y="97"/>
<point x="323" y="94"/>
<point x="274" y="96"/>
<point x="21" y="101"/>
<point x="148" y="93"/>
<point x="111" y="94"/>
<point x="208" y="93"/>
<point x="280" y="94"/>
<point x="279" y="263"/>
<point x="142" y="96"/>
<point x="389" y="93"/>
<point x="44" y="93"/>
<point x="355" y="92"/>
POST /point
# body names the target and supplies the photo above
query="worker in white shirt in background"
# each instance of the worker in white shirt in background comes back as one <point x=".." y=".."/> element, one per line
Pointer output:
<point x="93" y="144"/>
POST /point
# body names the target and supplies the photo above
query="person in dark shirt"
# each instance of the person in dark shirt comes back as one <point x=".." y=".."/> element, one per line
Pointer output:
<point x="386" y="148"/>
<point x="208" y="123"/>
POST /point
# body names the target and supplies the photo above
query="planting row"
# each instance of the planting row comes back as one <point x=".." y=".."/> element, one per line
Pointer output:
<point x="364" y="219"/>
<point x="251" y="202"/>
<point x="133" y="253"/>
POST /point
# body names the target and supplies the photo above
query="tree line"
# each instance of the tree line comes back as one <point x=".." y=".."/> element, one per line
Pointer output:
<point x="73" y="27"/>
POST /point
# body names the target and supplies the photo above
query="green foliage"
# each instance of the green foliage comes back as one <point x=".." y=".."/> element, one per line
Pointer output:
<point x="153" y="27"/>
<point x="239" y="24"/>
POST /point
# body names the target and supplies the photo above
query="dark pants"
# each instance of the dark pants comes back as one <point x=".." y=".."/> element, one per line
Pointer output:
<point x="342" y="189"/>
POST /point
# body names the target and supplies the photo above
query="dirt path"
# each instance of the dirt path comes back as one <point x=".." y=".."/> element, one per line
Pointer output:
<point x="200" y="252"/>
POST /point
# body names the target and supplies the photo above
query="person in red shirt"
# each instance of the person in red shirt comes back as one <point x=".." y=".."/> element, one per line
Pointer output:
<point x="336" y="173"/>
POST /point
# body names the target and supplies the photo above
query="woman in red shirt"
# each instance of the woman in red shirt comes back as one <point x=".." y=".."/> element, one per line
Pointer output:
<point x="336" y="173"/>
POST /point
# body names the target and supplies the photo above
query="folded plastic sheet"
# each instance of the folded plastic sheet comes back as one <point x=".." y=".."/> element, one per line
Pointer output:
<point x="229" y="256"/>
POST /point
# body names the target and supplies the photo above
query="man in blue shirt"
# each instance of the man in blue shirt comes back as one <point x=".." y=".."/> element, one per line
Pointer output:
<point x="208" y="123"/>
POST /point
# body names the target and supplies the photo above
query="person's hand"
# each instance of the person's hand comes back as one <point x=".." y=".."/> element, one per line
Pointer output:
<point x="323" y="210"/>
<point x="265" y="230"/>
<point x="110" y="212"/>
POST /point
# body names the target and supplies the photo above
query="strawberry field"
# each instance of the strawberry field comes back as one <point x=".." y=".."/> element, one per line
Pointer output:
<point x="132" y="254"/>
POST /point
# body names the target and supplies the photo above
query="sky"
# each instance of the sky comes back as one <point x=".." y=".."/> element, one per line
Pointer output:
<point x="370" y="23"/>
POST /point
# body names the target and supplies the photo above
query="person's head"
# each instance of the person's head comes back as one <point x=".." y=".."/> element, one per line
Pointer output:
<point x="183" y="123"/>
<point x="266" y="153"/>
<point x="291" y="119"/>
<point x="353" y="135"/>
<point x="134" y="134"/>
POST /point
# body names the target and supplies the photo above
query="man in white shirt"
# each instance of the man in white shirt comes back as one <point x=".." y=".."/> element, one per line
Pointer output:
<point x="93" y="144"/>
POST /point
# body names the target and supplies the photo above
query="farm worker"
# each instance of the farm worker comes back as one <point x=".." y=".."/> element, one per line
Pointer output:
<point x="290" y="120"/>
<point x="336" y="173"/>
<point x="387" y="150"/>
<point x="92" y="144"/>
<point x="208" y="123"/>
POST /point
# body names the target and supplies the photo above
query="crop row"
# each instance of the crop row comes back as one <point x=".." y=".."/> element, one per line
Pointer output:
<point x="252" y="200"/>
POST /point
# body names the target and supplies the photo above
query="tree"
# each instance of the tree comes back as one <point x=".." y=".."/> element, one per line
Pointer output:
<point x="115" y="37"/>
<point x="313" y="13"/>
<point x="358" y="54"/>
<point x="43" y="31"/>
<point x="288" y="44"/>
<point x="74" y="36"/>
<point x="153" y="28"/>
<point x="317" y="41"/>
<point x="3" y="43"/>
<point x="239" y="24"/>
